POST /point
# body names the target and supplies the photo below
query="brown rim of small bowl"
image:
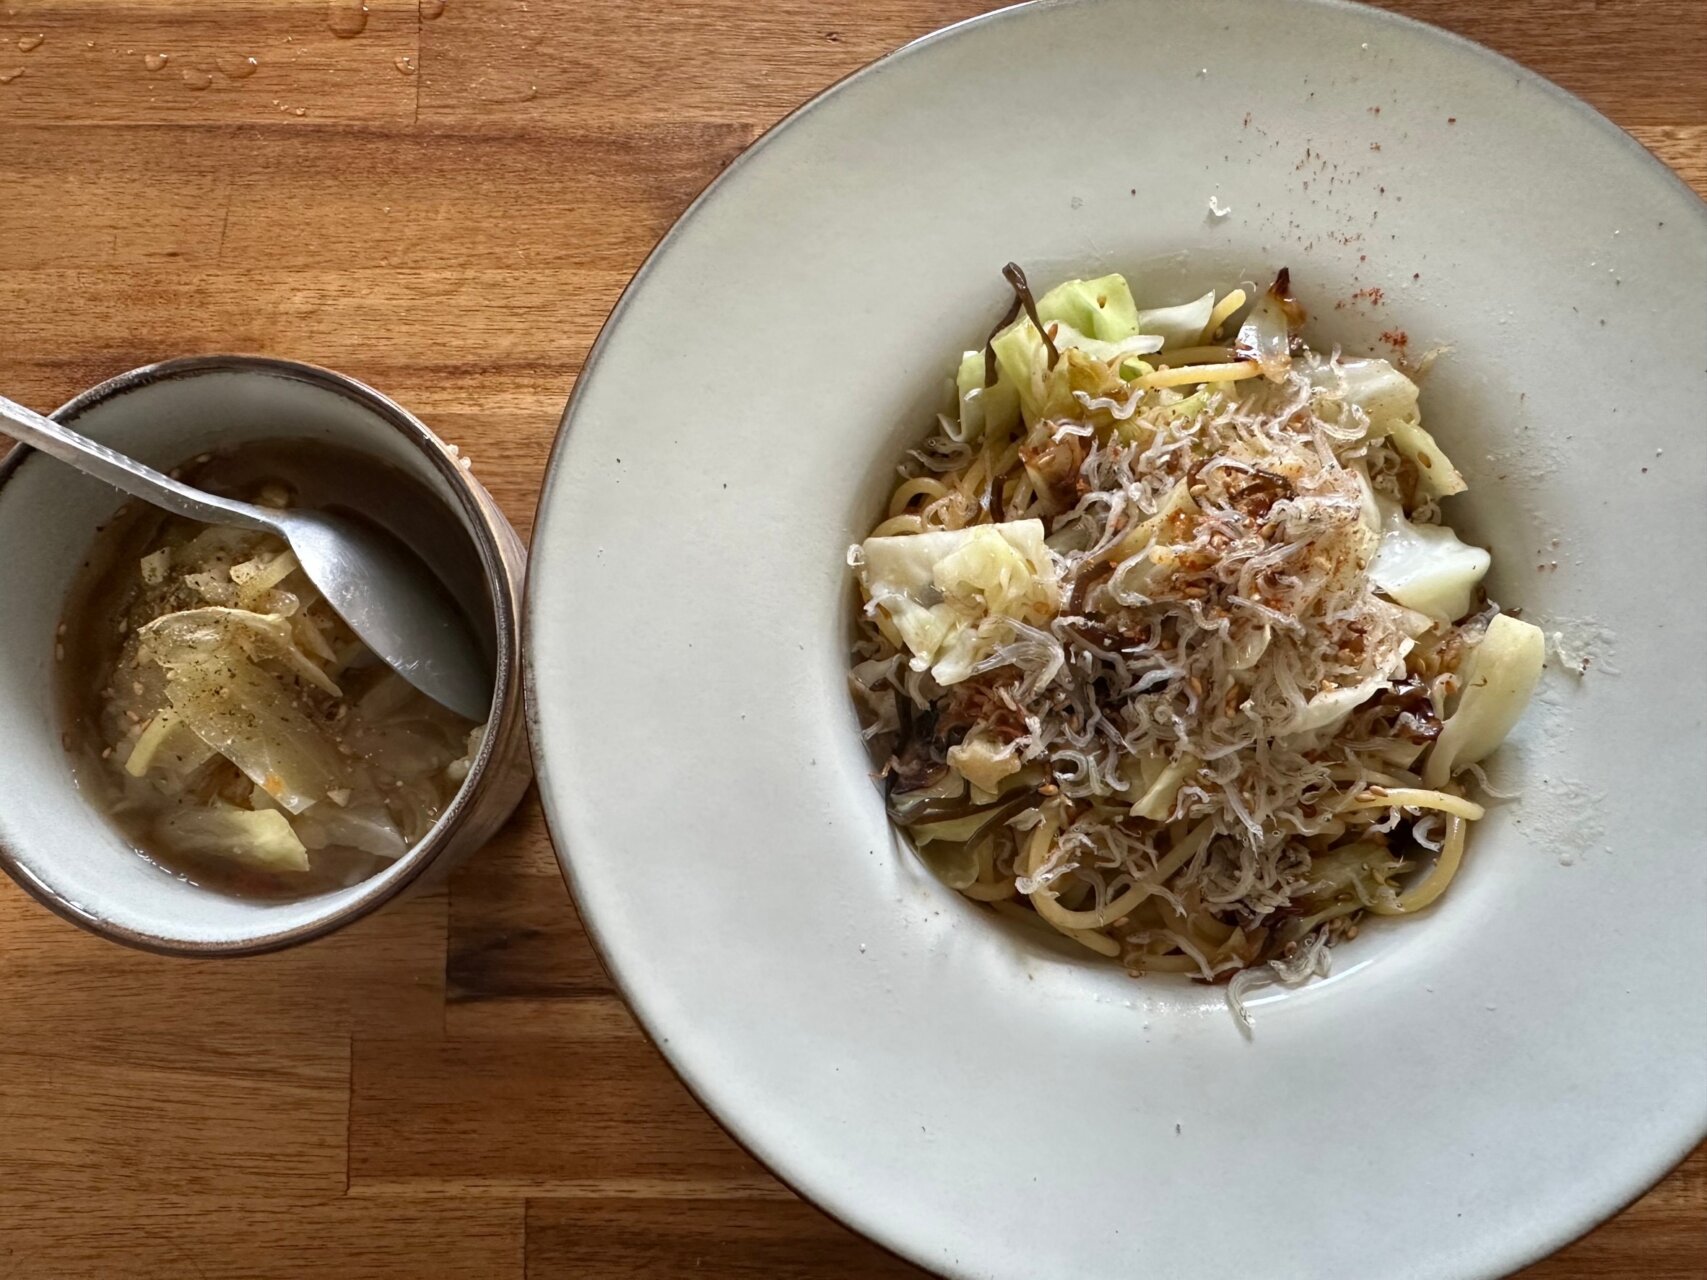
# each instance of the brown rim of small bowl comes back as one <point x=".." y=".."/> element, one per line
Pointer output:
<point x="505" y="590"/>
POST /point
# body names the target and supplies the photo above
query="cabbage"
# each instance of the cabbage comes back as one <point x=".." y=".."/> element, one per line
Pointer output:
<point x="1161" y="781"/>
<point x="260" y="838"/>
<point x="1100" y="308"/>
<point x="1266" y="336"/>
<point x="985" y="762"/>
<point x="219" y="688"/>
<point x="256" y="578"/>
<point x="367" y="827"/>
<point x="1425" y="567"/>
<point x="154" y="567"/>
<point x="457" y="770"/>
<point x="1497" y="679"/>
<point x="1084" y="365"/>
<point x="1374" y="386"/>
<point x="1329" y="707"/>
<point x="1326" y="710"/>
<point x="938" y="587"/>
<point x="982" y="409"/>
<point x="167" y="743"/>
<point x="1179" y="326"/>
<point x="1436" y="476"/>
<point x="953" y="862"/>
<point x="259" y="636"/>
<point x="1142" y="577"/>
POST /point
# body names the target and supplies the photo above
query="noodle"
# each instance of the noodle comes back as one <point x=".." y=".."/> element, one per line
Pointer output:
<point x="1427" y="890"/>
<point x="908" y="493"/>
<point x="1200" y="373"/>
<point x="1416" y="798"/>
<point x="1223" y="312"/>
<point x="897" y="525"/>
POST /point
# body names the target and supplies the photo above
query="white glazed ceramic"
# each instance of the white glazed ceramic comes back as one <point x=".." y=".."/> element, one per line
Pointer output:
<point x="56" y="845"/>
<point x="1468" y="1090"/>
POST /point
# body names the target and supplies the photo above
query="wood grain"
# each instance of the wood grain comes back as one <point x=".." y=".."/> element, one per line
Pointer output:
<point x="448" y="206"/>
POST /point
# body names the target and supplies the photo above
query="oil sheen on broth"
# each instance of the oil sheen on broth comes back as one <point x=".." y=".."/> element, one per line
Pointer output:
<point x="224" y="717"/>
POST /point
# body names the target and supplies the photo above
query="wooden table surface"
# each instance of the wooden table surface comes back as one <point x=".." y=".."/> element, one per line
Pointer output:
<point x="445" y="201"/>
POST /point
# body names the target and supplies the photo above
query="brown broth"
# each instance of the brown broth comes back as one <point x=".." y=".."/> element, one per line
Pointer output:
<point x="104" y="607"/>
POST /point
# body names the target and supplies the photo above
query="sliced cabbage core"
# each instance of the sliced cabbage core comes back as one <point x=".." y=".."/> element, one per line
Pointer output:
<point x="1498" y="678"/>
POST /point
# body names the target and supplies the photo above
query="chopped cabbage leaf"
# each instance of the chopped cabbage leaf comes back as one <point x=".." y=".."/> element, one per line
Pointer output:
<point x="1498" y="678"/>
<point x="985" y="762"/>
<point x="256" y="579"/>
<point x="217" y="685"/>
<point x="457" y="769"/>
<point x="1179" y="326"/>
<point x="1086" y="364"/>
<point x="1150" y="538"/>
<point x="262" y="636"/>
<point x="154" y="566"/>
<point x="1425" y="566"/>
<point x="1436" y="476"/>
<point x="1329" y="708"/>
<point x="258" y="837"/>
<point x="367" y="827"/>
<point x="1383" y="393"/>
<point x="167" y="743"/>
<point x="1161" y="781"/>
<point x="982" y="409"/>
<point x="939" y="588"/>
<point x="954" y="862"/>
<point x="1100" y="308"/>
<point x="1268" y="331"/>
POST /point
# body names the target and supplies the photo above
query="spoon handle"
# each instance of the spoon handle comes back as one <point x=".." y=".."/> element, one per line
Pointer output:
<point x="97" y="460"/>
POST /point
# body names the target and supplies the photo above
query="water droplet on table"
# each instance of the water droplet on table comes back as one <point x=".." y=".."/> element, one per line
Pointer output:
<point x="27" y="43"/>
<point x="405" y="64"/>
<point x="196" y="78"/>
<point x="431" y="9"/>
<point x="156" y="61"/>
<point x="237" y="67"/>
<point x="346" y="18"/>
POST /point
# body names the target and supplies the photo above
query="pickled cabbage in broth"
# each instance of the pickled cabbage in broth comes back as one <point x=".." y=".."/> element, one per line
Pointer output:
<point x="239" y="733"/>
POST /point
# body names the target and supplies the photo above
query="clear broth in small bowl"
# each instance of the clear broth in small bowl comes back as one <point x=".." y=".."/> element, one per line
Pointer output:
<point x="224" y="717"/>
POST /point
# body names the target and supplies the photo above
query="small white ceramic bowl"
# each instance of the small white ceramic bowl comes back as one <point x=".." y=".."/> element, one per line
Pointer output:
<point x="61" y="848"/>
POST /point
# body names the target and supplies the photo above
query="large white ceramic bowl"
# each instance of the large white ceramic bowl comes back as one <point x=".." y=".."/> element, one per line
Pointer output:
<point x="1468" y="1090"/>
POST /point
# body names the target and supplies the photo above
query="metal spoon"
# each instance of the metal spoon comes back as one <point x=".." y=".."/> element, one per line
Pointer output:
<point x="387" y="594"/>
